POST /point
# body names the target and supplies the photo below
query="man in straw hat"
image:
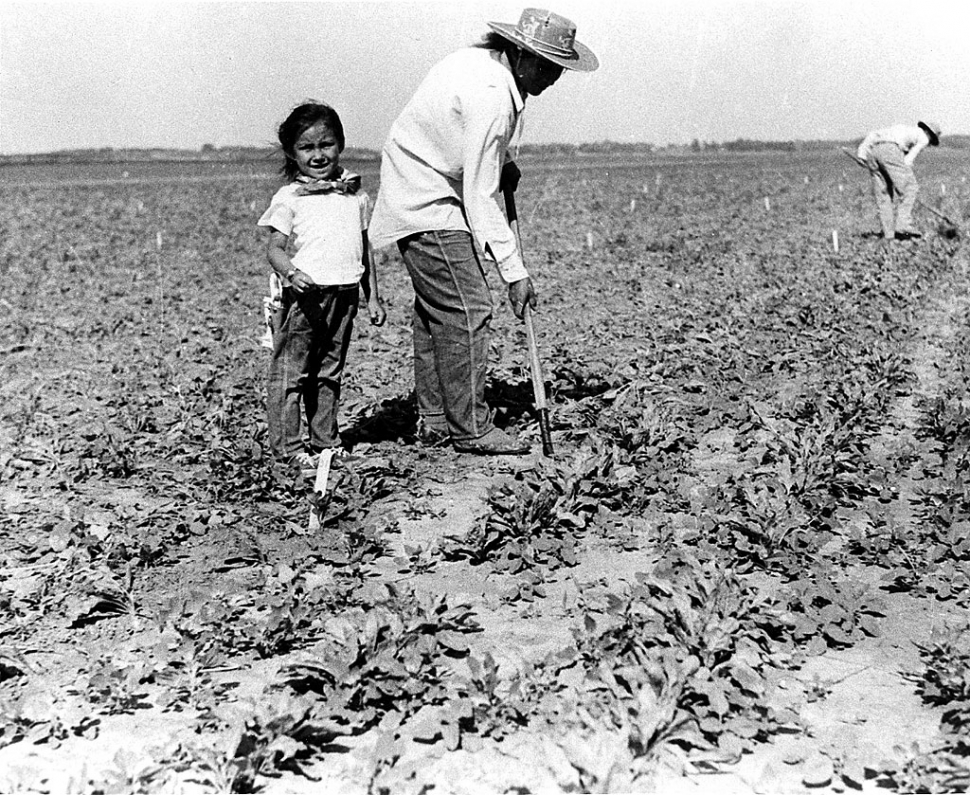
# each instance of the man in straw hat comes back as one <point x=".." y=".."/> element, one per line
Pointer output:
<point x="890" y="153"/>
<point x="443" y="169"/>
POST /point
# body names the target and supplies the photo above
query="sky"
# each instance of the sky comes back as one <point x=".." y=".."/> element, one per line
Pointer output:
<point x="186" y="74"/>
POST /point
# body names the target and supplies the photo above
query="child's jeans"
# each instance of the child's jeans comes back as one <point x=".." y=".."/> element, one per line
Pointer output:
<point x="309" y="351"/>
<point x="451" y="322"/>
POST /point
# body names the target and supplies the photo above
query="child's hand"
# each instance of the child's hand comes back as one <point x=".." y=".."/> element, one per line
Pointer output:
<point x="300" y="282"/>
<point x="377" y="313"/>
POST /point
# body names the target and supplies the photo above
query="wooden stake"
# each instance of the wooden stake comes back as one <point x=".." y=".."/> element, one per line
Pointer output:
<point x="320" y="484"/>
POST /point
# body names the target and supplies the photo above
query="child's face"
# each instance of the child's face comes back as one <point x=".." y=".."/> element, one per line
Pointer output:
<point x="317" y="152"/>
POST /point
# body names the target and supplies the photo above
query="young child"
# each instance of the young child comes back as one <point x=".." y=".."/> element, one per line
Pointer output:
<point x="321" y="216"/>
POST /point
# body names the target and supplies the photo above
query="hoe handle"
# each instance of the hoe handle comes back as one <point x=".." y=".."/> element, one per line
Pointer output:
<point x="538" y="384"/>
<point x="855" y="159"/>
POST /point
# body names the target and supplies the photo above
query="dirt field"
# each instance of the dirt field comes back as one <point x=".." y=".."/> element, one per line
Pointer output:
<point x="746" y="569"/>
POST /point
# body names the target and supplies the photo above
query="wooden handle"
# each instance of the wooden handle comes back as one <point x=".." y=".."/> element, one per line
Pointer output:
<point x="858" y="161"/>
<point x="535" y="366"/>
<point x="538" y="385"/>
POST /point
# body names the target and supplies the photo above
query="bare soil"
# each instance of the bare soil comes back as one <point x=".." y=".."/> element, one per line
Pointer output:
<point x="858" y="703"/>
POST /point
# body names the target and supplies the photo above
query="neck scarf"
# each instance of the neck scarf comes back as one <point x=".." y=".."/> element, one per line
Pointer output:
<point x="346" y="182"/>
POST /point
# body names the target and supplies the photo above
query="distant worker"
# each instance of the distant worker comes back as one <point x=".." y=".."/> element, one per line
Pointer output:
<point x="889" y="153"/>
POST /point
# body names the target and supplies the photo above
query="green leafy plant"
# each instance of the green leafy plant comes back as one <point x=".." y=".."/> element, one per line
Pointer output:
<point x="824" y="613"/>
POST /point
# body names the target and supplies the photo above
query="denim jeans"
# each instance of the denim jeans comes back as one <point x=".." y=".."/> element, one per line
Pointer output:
<point x="894" y="186"/>
<point x="452" y="323"/>
<point x="309" y="352"/>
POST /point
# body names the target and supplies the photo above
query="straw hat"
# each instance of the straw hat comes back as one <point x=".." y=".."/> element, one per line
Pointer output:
<point x="551" y="36"/>
<point x="932" y="129"/>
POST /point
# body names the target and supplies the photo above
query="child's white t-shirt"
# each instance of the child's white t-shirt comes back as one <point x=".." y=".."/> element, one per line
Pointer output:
<point x="325" y="231"/>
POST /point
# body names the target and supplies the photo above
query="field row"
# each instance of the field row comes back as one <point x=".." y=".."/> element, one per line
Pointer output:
<point x="726" y="400"/>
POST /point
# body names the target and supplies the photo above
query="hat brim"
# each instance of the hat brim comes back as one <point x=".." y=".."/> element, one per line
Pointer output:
<point x="583" y="61"/>
<point x="934" y="138"/>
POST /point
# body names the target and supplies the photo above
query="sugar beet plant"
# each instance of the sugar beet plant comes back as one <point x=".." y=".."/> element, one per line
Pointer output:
<point x="633" y="461"/>
<point x="674" y="667"/>
<point x="944" y="764"/>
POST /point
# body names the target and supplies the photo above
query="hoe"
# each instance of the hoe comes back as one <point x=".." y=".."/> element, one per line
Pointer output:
<point x="538" y="384"/>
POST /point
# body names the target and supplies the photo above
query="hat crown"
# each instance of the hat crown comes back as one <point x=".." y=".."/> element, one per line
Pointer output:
<point x="547" y="31"/>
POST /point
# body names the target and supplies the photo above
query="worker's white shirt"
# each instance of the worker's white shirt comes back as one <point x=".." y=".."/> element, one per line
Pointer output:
<point x="910" y="138"/>
<point x="441" y="164"/>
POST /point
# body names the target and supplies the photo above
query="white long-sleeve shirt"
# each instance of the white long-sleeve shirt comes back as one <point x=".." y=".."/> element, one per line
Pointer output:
<point x="910" y="138"/>
<point x="441" y="164"/>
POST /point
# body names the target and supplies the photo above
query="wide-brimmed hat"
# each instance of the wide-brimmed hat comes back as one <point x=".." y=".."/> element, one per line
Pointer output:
<point x="551" y="36"/>
<point x="932" y="129"/>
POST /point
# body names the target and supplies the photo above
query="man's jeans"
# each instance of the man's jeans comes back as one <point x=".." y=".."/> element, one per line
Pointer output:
<point x="451" y="322"/>
<point x="893" y="183"/>
<point x="309" y="351"/>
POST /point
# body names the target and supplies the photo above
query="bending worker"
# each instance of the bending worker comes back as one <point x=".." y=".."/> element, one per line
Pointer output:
<point x="443" y="169"/>
<point x="890" y="153"/>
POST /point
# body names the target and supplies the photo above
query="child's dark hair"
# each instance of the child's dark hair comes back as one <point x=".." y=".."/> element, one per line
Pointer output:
<point x="301" y="119"/>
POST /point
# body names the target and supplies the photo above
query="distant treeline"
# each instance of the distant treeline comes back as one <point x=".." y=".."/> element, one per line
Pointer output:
<point x="209" y="152"/>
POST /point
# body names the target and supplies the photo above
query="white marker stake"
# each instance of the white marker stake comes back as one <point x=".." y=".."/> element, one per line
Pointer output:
<point x="633" y="205"/>
<point x="767" y="204"/>
<point x="942" y="189"/>
<point x="841" y="187"/>
<point x="835" y="240"/>
<point x="320" y="484"/>
<point x="589" y="240"/>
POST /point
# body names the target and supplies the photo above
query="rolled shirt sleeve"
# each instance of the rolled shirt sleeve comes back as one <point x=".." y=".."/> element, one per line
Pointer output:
<point x="914" y="150"/>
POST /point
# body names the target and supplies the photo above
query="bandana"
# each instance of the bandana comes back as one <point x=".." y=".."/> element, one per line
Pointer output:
<point x="346" y="182"/>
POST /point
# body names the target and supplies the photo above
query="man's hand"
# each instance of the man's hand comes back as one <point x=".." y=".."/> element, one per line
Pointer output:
<point x="510" y="177"/>
<point x="522" y="293"/>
